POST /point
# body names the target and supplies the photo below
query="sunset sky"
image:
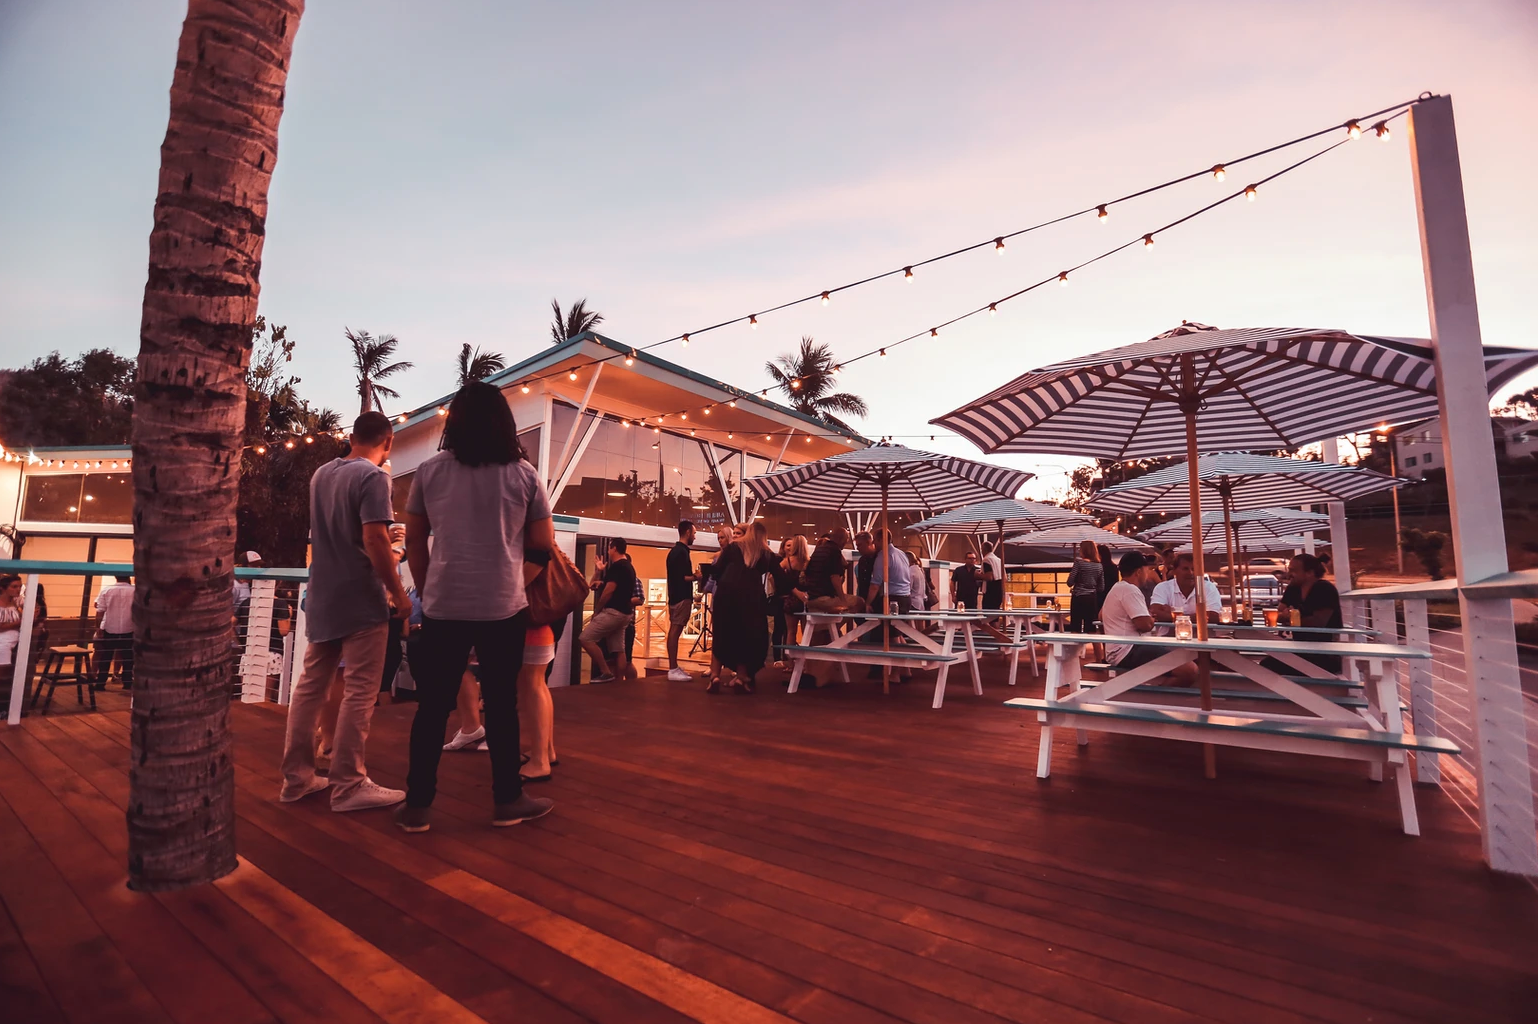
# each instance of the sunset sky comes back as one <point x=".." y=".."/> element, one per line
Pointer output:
<point x="445" y="170"/>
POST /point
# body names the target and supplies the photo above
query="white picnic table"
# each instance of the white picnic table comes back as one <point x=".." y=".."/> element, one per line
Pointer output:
<point x="1020" y="623"/>
<point x="914" y="649"/>
<point x="1374" y="732"/>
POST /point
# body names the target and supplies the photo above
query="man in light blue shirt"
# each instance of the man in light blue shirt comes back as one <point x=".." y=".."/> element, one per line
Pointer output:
<point x="895" y="566"/>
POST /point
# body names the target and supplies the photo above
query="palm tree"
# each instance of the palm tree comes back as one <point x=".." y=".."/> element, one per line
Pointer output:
<point x="371" y="361"/>
<point x="578" y="319"/>
<point x="200" y="304"/>
<point x="478" y="366"/>
<point x="808" y="380"/>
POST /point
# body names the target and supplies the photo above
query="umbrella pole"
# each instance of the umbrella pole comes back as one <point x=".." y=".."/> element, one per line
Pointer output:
<point x="886" y="591"/>
<point x="1226" y="493"/>
<point x="1188" y="405"/>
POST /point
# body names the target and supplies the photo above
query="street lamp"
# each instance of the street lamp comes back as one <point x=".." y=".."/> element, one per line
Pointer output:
<point x="1385" y="435"/>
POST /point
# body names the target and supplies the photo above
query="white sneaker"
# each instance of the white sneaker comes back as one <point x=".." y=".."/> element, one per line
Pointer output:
<point x="367" y="794"/>
<point x="315" y="785"/>
<point x="482" y="746"/>
<point x="678" y="675"/>
<point x="463" y="739"/>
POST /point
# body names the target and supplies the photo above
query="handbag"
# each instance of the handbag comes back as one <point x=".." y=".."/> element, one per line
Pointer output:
<point x="557" y="591"/>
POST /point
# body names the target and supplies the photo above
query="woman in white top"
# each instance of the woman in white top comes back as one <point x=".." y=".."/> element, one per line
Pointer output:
<point x="918" y="581"/>
<point x="10" y="618"/>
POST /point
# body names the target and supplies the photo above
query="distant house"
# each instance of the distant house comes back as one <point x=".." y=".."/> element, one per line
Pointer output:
<point x="1418" y="446"/>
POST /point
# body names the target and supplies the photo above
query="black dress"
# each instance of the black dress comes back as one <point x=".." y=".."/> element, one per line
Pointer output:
<point x="741" y="612"/>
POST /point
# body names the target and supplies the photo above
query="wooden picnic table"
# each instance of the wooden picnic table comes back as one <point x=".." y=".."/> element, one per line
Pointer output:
<point x="1331" y="727"/>
<point x="856" y="647"/>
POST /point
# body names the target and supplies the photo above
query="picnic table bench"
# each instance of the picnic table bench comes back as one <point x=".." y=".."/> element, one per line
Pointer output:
<point x="913" y="649"/>
<point x="1369" y="729"/>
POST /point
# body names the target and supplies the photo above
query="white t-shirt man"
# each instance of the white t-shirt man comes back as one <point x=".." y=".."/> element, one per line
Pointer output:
<point x="1123" y="604"/>
<point x="115" y="606"/>
<point x="1167" y="593"/>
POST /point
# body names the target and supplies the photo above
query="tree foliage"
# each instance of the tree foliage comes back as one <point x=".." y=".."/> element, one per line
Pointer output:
<point x="1426" y="545"/>
<point x="807" y="380"/>
<point x="478" y="365"/>
<point x="574" y="322"/>
<point x="56" y="401"/>
<point x="371" y="362"/>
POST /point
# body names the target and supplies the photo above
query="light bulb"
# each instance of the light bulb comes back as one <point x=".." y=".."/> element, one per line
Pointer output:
<point x="1250" y="191"/>
<point x="764" y="393"/>
<point x="907" y="273"/>
<point x="685" y="415"/>
<point x="795" y="384"/>
<point x="1353" y="130"/>
<point x="732" y="403"/>
<point x="837" y="369"/>
<point x="808" y="440"/>
<point x="572" y="375"/>
<point x="1147" y="242"/>
<point x="729" y="435"/>
<point x="401" y="418"/>
<point x="1062" y="279"/>
<point x="691" y="432"/>
<point x="630" y="359"/>
<point x="934" y="332"/>
<point x="1218" y="173"/>
<point x="686" y="341"/>
<point x="998" y="246"/>
<point x="708" y="408"/>
<point x="525" y="389"/>
<point x="261" y="449"/>
<point x="883" y="353"/>
<point x="288" y="444"/>
<point x="444" y="412"/>
<point x="307" y="440"/>
<point x="993" y="309"/>
<point x="753" y="322"/>
<point x="768" y="438"/>
<point x="825" y="298"/>
<point x="1382" y="129"/>
<point x="624" y="423"/>
<point x="1102" y="213"/>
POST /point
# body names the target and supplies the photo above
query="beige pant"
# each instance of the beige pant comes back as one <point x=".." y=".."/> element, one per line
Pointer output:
<point x="364" y="654"/>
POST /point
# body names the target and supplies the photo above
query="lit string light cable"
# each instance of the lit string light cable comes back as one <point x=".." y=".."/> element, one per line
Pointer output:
<point x="1351" y="126"/>
<point x="1146" y="239"/>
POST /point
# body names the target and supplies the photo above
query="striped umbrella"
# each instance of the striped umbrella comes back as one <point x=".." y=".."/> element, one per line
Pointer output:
<point x="1259" y="546"/>
<point x="884" y="477"/>
<point x="1251" y="524"/>
<point x="1243" y="481"/>
<point x="1072" y="536"/>
<point x="1001" y="516"/>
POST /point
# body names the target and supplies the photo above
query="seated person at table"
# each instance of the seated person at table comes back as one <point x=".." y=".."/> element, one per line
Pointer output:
<point x="823" y="577"/>
<point x="889" y="577"/>
<point x="1177" y="595"/>
<point x="1125" y="613"/>
<point x="1316" y="602"/>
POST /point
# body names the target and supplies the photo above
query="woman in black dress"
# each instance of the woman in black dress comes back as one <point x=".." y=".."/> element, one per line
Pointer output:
<point x="741" y="615"/>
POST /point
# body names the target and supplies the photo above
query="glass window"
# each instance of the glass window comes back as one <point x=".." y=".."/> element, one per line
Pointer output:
<point x="637" y="475"/>
<point x="107" y="498"/>
<point x="1410" y="461"/>
<point x="79" y="498"/>
<point x="400" y="490"/>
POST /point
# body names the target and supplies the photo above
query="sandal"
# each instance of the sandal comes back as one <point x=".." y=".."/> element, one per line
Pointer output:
<point x="714" y="686"/>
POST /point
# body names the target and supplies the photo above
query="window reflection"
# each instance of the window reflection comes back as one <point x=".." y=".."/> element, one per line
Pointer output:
<point x="78" y="498"/>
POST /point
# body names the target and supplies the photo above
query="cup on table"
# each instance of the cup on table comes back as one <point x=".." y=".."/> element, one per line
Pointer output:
<point x="1270" y="614"/>
<point x="1225" y="614"/>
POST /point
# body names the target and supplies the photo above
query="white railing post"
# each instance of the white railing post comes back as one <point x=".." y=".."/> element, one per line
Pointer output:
<point x="296" y="661"/>
<point x="22" y="655"/>
<point x="254" y="664"/>
<point x="1423" y="707"/>
<point x="1506" y="819"/>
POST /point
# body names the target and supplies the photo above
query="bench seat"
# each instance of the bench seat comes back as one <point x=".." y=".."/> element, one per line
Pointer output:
<point x="1192" y="691"/>
<point x="1218" y="674"/>
<point x="865" y="652"/>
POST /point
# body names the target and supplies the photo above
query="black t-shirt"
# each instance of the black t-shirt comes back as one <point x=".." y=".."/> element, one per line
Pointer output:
<point x="967" y="579"/>
<point x="826" y="564"/>
<point x="864" y="569"/>
<point x="679" y="567"/>
<point x="1321" y="596"/>
<point x="622" y="574"/>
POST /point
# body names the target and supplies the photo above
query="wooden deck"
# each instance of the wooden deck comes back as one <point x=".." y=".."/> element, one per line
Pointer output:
<point x="832" y="857"/>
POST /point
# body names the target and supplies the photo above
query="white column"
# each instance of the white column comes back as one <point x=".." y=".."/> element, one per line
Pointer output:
<point x="21" y="656"/>
<point x="255" y="664"/>
<point x="1468" y="450"/>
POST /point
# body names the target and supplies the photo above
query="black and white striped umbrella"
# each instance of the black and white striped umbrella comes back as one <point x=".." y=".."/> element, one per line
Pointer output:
<point x="1250" y="388"/>
<point x="1261" y="546"/>
<point x="888" y="476"/>
<point x="1066" y="537"/>
<point x="1252" y="524"/>
<point x="1001" y="516"/>
<point x="1246" y="481"/>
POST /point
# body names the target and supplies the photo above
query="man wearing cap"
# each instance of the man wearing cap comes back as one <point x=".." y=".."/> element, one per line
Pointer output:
<point x="243" y="587"/>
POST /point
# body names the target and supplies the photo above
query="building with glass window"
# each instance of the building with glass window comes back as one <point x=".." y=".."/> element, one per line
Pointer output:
<point x="628" y="444"/>
<point x="67" y="505"/>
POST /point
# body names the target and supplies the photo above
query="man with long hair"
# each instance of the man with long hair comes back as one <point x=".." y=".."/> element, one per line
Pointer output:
<point x="483" y="505"/>
<point x="354" y="588"/>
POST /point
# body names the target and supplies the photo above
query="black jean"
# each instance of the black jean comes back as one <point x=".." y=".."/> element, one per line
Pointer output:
<point x="443" y="651"/>
<point x="118" y="647"/>
<point x="1083" y="609"/>
<point x="392" y="662"/>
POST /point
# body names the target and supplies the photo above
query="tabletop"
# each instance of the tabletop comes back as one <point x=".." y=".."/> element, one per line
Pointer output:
<point x="1346" y="648"/>
<point x="1319" y="630"/>
<point x="934" y="616"/>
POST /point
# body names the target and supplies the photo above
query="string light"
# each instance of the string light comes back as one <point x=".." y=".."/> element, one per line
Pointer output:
<point x="732" y="403"/>
<point x="401" y="418"/>
<point x="883" y="353"/>
<point x="1102" y="213"/>
<point x="686" y="341"/>
<point x="685" y="415"/>
<point x="1382" y="129"/>
<point x="729" y="435"/>
<point x="1147" y="242"/>
<point x="993" y="309"/>
<point x="825" y="298"/>
<point x="907" y="273"/>
<point x="1219" y="172"/>
<point x="753" y="322"/>
<point x="261" y="449"/>
<point x="442" y="411"/>
<point x="934" y="332"/>
<point x="525" y="389"/>
<point x="288" y="444"/>
<point x="307" y="440"/>
<point x="1062" y="278"/>
<point x="998" y="245"/>
<point x="708" y="408"/>
<point x="838" y="369"/>
<point x="1250" y="191"/>
<point x="572" y="375"/>
<point x="1353" y="130"/>
<point x="630" y="359"/>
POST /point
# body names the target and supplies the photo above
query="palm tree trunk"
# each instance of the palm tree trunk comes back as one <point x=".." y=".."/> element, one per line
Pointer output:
<point x="366" y="392"/>
<point x="194" y="345"/>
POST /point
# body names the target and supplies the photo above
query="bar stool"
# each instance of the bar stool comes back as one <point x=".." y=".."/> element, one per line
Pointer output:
<point x="54" y="675"/>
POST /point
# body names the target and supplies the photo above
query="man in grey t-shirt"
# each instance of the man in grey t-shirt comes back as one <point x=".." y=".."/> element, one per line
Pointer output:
<point x="354" y="585"/>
